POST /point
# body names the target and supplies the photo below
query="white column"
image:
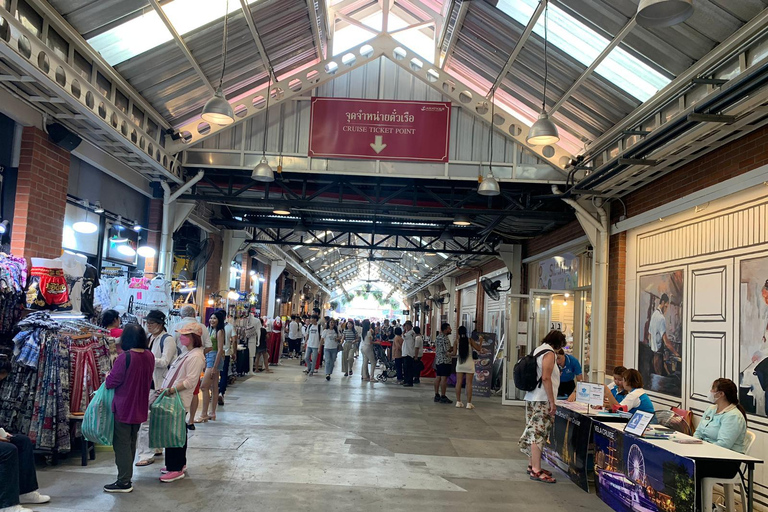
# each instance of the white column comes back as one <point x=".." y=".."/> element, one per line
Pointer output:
<point x="275" y="271"/>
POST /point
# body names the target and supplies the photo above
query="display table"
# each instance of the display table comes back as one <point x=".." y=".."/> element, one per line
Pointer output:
<point x="428" y="359"/>
<point x="642" y="473"/>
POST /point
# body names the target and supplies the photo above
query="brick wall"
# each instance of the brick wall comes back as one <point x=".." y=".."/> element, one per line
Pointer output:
<point x="214" y="267"/>
<point x="560" y="236"/>
<point x="41" y="197"/>
<point x="616" y="300"/>
<point x="727" y="162"/>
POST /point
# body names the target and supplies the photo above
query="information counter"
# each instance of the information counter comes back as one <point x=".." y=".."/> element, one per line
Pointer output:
<point x="634" y="473"/>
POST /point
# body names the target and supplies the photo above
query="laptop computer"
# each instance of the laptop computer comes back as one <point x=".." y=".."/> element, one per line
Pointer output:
<point x="638" y="423"/>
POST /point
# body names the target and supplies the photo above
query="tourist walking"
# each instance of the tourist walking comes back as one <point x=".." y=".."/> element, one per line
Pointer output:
<point x="465" y="369"/>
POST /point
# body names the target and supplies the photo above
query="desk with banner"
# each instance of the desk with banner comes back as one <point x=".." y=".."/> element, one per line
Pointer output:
<point x="631" y="472"/>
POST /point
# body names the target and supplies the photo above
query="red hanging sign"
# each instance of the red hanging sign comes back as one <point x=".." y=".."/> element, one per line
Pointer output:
<point x="380" y="129"/>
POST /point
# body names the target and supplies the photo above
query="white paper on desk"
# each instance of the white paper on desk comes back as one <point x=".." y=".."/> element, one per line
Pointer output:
<point x="588" y="393"/>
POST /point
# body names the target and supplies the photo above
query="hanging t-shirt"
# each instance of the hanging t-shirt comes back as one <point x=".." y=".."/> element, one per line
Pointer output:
<point x="90" y="283"/>
<point x="74" y="270"/>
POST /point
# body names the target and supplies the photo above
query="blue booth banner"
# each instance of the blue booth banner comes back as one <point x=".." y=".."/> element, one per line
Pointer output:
<point x="634" y="475"/>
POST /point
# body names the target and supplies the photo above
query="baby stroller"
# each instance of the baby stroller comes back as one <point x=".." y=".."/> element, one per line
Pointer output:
<point x="388" y="371"/>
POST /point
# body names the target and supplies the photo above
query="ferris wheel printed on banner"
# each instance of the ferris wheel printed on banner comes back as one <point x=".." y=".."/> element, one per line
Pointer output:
<point x="636" y="465"/>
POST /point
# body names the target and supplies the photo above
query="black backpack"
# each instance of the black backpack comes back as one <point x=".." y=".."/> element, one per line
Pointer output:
<point x="526" y="371"/>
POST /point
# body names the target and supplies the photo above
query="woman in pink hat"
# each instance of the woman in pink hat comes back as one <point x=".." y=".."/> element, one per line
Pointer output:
<point x="182" y="378"/>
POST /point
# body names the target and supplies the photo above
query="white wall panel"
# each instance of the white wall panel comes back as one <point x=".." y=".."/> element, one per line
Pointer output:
<point x="707" y="362"/>
<point x="709" y="291"/>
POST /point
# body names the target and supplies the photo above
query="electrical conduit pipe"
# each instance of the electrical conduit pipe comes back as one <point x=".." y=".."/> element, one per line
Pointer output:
<point x="598" y="236"/>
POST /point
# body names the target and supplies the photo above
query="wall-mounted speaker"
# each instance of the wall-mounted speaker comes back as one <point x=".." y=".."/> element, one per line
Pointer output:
<point x="62" y="136"/>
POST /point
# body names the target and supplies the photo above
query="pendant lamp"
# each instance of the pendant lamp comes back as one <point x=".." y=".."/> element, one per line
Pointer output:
<point x="263" y="172"/>
<point x="217" y="110"/>
<point x="663" y="13"/>
<point x="489" y="186"/>
<point x="544" y="132"/>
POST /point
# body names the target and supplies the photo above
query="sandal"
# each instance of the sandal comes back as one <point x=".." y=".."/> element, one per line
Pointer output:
<point x="542" y="477"/>
<point x="143" y="463"/>
<point x="202" y="419"/>
<point x="530" y="470"/>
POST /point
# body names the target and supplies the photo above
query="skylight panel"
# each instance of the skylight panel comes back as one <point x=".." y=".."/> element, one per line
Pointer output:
<point x="584" y="44"/>
<point x="148" y="31"/>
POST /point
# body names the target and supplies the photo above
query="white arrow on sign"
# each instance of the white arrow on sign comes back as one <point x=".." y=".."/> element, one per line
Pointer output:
<point x="377" y="146"/>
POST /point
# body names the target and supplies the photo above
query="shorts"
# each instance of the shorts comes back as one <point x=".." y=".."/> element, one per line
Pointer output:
<point x="444" y="370"/>
<point x="210" y="359"/>
<point x="538" y="425"/>
<point x="294" y="345"/>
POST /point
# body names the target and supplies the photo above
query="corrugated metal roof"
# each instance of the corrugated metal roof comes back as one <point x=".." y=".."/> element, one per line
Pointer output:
<point x="91" y="17"/>
<point x="488" y="36"/>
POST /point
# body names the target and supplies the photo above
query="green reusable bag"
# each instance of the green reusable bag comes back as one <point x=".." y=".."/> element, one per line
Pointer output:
<point x="167" y="425"/>
<point x="99" y="420"/>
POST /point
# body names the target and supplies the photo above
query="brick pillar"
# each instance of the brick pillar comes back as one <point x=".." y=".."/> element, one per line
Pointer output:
<point x="265" y="291"/>
<point x="214" y="267"/>
<point x="41" y="197"/>
<point x="245" y="277"/>
<point x="152" y="236"/>
<point x="616" y="300"/>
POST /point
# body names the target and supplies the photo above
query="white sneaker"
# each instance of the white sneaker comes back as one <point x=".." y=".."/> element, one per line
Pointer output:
<point x="459" y="405"/>
<point x="470" y="406"/>
<point x="33" y="498"/>
<point x="15" y="508"/>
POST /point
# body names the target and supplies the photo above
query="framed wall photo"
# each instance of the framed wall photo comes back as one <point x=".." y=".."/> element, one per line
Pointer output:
<point x="660" y="337"/>
<point x="753" y="334"/>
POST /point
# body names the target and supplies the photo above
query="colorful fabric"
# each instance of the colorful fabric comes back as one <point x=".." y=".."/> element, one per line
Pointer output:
<point x="167" y="425"/>
<point x="48" y="290"/>
<point x="538" y="425"/>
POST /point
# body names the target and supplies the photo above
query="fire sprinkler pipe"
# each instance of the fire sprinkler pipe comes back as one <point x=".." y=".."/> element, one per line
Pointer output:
<point x="165" y="263"/>
<point x="598" y="233"/>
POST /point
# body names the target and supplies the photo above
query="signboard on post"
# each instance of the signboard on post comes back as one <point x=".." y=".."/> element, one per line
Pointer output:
<point x="592" y="394"/>
<point x="416" y="131"/>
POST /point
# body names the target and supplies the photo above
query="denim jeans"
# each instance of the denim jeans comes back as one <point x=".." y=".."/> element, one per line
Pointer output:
<point x="312" y="355"/>
<point x="330" y="359"/>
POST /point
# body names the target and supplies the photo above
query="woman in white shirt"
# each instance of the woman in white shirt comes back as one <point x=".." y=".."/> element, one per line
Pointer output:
<point x="350" y="338"/>
<point x="163" y="347"/>
<point x="330" y="347"/>
<point x="540" y="406"/>
<point x="182" y="378"/>
<point x="313" y="345"/>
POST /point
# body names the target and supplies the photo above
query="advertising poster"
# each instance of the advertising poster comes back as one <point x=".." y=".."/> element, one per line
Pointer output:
<point x="633" y="475"/>
<point x="559" y="273"/>
<point x="660" y="322"/>
<point x="753" y="334"/>
<point x="568" y="445"/>
<point x="481" y="385"/>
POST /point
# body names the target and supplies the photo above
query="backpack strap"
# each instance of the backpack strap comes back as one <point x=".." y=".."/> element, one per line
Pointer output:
<point x="538" y="356"/>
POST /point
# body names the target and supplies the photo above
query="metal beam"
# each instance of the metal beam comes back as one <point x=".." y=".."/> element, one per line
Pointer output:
<point x="618" y="38"/>
<point x="472" y="251"/>
<point x="87" y="101"/>
<point x="315" y="30"/>
<point x="518" y="46"/>
<point x="182" y="45"/>
<point x="455" y="32"/>
<point x="415" y="26"/>
<point x="354" y="22"/>
<point x="257" y="38"/>
<point x="384" y="45"/>
<point x="66" y="30"/>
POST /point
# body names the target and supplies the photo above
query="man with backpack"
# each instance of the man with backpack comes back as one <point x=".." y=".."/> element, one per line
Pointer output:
<point x="164" y="348"/>
<point x="538" y="375"/>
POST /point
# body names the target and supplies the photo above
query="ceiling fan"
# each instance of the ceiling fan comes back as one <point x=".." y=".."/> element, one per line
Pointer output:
<point x="372" y="257"/>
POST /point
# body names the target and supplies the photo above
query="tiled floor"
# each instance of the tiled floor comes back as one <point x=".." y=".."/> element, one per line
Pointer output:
<point x="285" y="442"/>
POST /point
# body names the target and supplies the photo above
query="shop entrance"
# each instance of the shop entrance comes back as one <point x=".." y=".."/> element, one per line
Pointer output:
<point x="532" y="316"/>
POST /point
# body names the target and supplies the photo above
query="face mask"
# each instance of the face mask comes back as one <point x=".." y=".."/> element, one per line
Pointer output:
<point x="185" y="340"/>
<point x="711" y="397"/>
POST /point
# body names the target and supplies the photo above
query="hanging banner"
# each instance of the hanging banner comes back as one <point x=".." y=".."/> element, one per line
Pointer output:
<point x="483" y="381"/>
<point x="417" y="131"/>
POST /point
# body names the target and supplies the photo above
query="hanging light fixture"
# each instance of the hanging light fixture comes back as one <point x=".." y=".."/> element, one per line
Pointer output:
<point x="98" y="208"/>
<point x="281" y="210"/>
<point x="461" y="220"/>
<point x="263" y="172"/>
<point x="85" y="226"/>
<point x="489" y="186"/>
<point x="146" y="251"/>
<point x="217" y="110"/>
<point x="663" y="13"/>
<point x="544" y="132"/>
<point x="116" y="235"/>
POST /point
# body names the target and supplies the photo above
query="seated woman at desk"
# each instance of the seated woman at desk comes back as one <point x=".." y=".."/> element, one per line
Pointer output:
<point x="570" y="373"/>
<point x="617" y="386"/>
<point x="724" y="423"/>
<point x="636" y="399"/>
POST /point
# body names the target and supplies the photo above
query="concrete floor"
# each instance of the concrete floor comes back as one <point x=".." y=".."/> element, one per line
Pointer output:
<point x="285" y="442"/>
